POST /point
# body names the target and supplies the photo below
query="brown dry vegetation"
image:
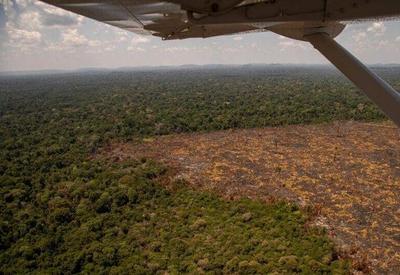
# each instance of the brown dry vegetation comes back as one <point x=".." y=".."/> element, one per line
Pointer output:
<point x="348" y="174"/>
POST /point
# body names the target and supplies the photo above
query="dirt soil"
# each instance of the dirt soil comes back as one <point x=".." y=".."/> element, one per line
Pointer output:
<point x="348" y="173"/>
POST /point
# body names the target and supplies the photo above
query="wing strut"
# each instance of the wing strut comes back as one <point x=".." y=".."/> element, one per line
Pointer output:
<point x="380" y="92"/>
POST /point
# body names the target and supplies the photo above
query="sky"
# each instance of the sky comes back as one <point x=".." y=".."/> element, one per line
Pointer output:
<point x="37" y="36"/>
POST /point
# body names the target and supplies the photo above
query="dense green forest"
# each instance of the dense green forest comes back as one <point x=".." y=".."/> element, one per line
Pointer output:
<point x="64" y="212"/>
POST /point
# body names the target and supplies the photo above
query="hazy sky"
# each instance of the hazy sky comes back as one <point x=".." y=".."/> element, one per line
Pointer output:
<point x="36" y="36"/>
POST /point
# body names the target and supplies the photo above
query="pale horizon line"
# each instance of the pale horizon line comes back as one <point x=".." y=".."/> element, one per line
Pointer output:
<point x="8" y="72"/>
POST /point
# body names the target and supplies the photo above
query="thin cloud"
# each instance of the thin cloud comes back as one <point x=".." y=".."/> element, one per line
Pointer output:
<point x="139" y="40"/>
<point x="51" y="20"/>
<point x="377" y="28"/>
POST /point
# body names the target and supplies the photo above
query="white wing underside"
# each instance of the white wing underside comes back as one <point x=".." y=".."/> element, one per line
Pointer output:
<point x="147" y="17"/>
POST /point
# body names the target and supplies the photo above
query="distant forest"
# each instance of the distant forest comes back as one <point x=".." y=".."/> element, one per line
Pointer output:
<point x="184" y="100"/>
<point x="64" y="212"/>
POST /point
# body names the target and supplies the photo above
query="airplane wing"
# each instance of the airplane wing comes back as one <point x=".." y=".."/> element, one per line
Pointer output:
<point x="314" y="21"/>
<point x="148" y="17"/>
<point x="179" y="19"/>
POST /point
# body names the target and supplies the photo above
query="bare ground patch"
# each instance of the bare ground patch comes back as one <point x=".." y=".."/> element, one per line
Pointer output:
<point x="349" y="173"/>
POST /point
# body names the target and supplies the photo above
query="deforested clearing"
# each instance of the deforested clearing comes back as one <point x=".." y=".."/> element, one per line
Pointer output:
<point x="347" y="174"/>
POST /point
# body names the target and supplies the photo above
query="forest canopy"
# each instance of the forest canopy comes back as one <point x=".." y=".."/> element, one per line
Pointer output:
<point x="62" y="211"/>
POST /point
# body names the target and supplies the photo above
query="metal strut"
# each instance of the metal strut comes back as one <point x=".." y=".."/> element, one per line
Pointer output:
<point x="380" y="92"/>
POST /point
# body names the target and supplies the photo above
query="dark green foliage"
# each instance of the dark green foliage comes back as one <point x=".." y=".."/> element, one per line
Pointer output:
<point x="96" y="226"/>
<point x="62" y="211"/>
